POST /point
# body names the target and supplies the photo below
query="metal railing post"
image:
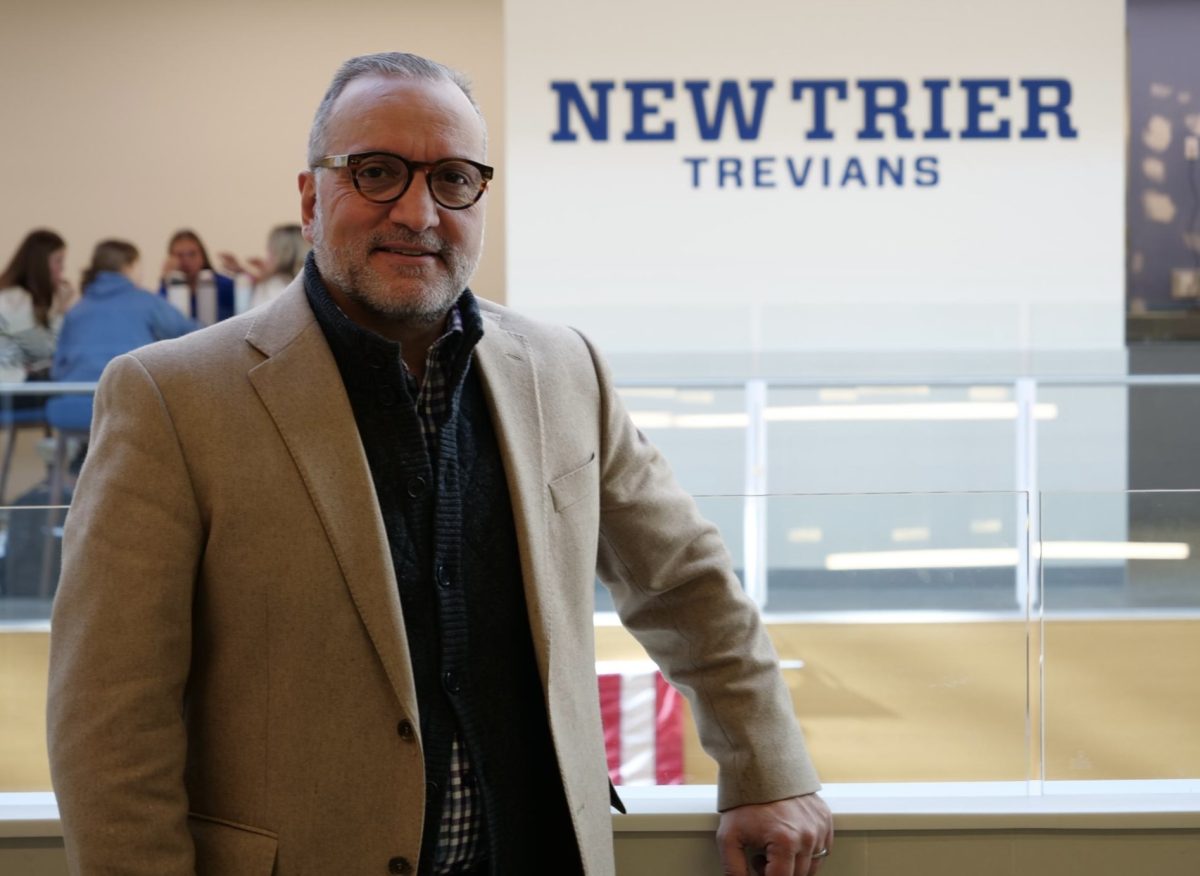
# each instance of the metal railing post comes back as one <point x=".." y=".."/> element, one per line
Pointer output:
<point x="754" y="512"/>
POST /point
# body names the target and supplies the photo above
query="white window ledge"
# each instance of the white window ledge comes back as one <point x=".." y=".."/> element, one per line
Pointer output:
<point x="1128" y="805"/>
<point x="934" y="806"/>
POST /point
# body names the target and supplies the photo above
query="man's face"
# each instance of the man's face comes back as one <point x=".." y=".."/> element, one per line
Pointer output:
<point x="187" y="256"/>
<point x="404" y="262"/>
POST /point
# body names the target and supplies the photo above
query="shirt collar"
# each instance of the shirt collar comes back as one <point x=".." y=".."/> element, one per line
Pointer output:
<point x="354" y="345"/>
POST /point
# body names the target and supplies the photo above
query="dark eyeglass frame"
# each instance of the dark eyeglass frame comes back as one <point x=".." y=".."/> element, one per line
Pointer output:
<point x="354" y="160"/>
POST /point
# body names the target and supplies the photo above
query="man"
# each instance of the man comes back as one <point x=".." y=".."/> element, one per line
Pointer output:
<point x="326" y="597"/>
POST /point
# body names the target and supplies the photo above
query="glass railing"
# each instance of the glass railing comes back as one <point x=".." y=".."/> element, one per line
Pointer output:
<point x="30" y="541"/>
<point x="1120" y="638"/>
<point x="957" y="580"/>
<point x="922" y="636"/>
<point x="841" y="435"/>
<point x="975" y="637"/>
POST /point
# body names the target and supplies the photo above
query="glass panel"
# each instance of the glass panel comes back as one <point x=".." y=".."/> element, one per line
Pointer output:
<point x="902" y="628"/>
<point x="30" y="555"/>
<point x="1084" y="438"/>
<point x="1121" y="635"/>
<point x="701" y="430"/>
<point x="847" y="439"/>
<point x="895" y="552"/>
<point x="32" y="509"/>
<point x="702" y="433"/>
<point x="29" y="542"/>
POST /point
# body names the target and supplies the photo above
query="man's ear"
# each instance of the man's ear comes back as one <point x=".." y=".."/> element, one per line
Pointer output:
<point x="307" y="183"/>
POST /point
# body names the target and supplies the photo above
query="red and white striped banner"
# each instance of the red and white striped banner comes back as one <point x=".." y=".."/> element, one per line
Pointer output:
<point x="643" y="724"/>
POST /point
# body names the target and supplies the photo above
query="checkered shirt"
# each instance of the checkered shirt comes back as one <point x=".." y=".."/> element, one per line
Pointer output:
<point x="460" y="832"/>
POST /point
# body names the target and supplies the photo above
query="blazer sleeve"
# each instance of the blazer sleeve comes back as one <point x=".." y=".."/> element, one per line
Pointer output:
<point x="121" y="639"/>
<point x="674" y="588"/>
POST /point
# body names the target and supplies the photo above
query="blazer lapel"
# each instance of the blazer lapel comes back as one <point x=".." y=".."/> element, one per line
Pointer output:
<point x="510" y="383"/>
<point x="302" y="390"/>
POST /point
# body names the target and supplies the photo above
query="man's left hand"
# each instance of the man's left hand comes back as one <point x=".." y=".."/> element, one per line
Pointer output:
<point x="784" y="834"/>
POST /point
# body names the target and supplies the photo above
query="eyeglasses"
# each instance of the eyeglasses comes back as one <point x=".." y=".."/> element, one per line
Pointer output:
<point x="381" y="177"/>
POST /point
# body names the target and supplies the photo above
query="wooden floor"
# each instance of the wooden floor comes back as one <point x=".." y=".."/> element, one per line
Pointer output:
<point x="887" y="702"/>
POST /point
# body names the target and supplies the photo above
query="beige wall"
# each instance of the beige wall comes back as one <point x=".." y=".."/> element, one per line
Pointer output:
<point x="132" y="118"/>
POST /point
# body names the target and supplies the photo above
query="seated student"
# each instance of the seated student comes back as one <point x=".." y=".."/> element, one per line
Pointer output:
<point x="286" y="251"/>
<point x="187" y="259"/>
<point x="114" y="316"/>
<point x="34" y="295"/>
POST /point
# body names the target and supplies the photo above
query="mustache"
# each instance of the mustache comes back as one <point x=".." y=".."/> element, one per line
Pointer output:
<point x="428" y="241"/>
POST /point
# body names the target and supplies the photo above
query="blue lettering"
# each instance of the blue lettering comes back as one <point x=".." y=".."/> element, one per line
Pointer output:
<point x="873" y="108"/>
<point x="640" y="109"/>
<point x="896" y="172"/>
<point x="977" y="108"/>
<point x="937" y="109"/>
<point x="798" y="179"/>
<point x="825" y="171"/>
<point x="729" y="168"/>
<point x="1033" y="129"/>
<point x="820" y="88"/>
<point x="569" y="95"/>
<point x="729" y="95"/>
<point x="583" y="108"/>
<point x="764" y="169"/>
<point x="927" y="171"/>
<point x="854" y="171"/>
<point x="695" y="163"/>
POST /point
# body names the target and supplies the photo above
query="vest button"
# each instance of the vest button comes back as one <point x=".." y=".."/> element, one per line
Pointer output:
<point x="406" y="731"/>
<point x="400" y="866"/>
<point x="452" y="682"/>
<point x="416" y="487"/>
<point x="443" y="577"/>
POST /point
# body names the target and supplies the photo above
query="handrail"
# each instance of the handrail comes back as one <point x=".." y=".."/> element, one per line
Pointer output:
<point x="48" y="387"/>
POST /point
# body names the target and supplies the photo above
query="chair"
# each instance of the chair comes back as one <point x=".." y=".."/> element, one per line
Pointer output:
<point x="12" y="419"/>
<point x="69" y="421"/>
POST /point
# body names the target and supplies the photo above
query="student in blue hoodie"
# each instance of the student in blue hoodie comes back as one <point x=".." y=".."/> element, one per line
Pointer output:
<point x="114" y="316"/>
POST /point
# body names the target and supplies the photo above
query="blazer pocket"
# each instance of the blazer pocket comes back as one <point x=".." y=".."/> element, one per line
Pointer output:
<point x="226" y="848"/>
<point x="568" y="489"/>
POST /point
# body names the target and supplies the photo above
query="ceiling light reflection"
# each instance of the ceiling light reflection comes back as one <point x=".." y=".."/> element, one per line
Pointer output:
<point x="976" y="558"/>
<point x="930" y="412"/>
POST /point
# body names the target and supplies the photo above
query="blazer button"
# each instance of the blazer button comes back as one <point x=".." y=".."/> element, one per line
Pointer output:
<point x="406" y="731"/>
<point x="452" y="681"/>
<point x="416" y="487"/>
<point x="400" y="866"/>
<point x="443" y="577"/>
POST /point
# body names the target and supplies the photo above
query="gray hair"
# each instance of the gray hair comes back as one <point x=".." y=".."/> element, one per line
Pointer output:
<point x="400" y="64"/>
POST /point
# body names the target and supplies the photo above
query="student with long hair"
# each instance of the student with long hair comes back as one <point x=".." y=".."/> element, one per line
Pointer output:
<point x="34" y="295"/>
<point x="187" y="257"/>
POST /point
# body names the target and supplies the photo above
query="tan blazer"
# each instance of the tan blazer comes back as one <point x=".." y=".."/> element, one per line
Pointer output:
<point x="230" y="687"/>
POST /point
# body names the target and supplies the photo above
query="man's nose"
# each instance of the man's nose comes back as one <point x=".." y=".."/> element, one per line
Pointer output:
<point x="416" y="209"/>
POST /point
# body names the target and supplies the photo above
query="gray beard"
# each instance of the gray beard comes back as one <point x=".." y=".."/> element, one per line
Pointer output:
<point x="346" y="268"/>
